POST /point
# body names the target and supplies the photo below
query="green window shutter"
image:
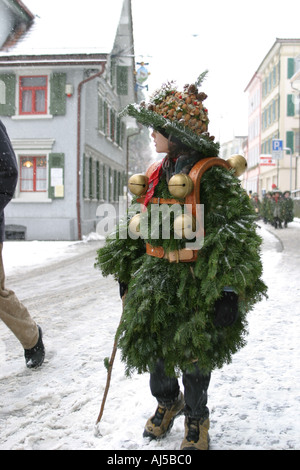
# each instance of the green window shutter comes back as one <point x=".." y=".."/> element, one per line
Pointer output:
<point x="115" y="186"/>
<point x="104" y="183"/>
<point x="57" y="94"/>
<point x="112" y="125"/>
<point x="123" y="134"/>
<point x="290" y="140"/>
<point x="90" y="195"/>
<point x="56" y="175"/>
<point x="100" y="114"/>
<point x="291" y="67"/>
<point x="83" y="175"/>
<point x="118" y="130"/>
<point x="122" y="80"/>
<point x="105" y="121"/>
<point x="290" y="105"/>
<point x="112" y="71"/>
<point x="8" y="108"/>
<point x="97" y="180"/>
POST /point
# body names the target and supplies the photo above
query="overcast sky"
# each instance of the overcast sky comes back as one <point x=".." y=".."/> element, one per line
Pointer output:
<point x="182" y="38"/>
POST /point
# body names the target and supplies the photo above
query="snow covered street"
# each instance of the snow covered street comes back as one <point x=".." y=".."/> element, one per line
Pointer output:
<point x="254" y="402"/>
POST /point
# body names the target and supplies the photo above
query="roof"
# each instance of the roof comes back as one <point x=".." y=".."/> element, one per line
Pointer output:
<point x="277" y="43"/>
<point x="64" y="27"/>
<point x="23" y="8"/>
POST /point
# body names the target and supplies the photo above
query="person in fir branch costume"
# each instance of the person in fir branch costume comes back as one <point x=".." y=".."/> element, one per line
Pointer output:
<point x="287" y="208"/>
<point x="276" y="209"/>
<point x="184" y="309"/>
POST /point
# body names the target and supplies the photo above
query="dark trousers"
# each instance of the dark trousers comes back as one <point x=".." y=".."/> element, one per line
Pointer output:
<point x="166" y="389"/>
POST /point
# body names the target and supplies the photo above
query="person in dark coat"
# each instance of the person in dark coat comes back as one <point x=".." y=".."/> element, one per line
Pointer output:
<point x="12" y="312"/>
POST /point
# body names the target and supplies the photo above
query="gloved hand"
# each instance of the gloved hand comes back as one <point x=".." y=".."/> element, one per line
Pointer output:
<point x="226" y="309"/>
<point x="122" y="288"/>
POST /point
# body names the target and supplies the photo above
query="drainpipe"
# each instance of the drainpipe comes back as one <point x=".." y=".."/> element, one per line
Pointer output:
<point x="80" y="85"/>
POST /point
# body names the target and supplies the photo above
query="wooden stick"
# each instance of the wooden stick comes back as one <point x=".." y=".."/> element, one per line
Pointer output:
<point x="109" y="370"/>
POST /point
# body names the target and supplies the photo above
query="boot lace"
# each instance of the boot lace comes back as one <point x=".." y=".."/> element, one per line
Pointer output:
<point x="193" y="431"/>
<point x="158" y="417"/>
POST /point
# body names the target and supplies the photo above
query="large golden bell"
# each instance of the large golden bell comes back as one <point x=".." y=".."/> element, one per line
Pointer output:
<point x="239" y="163"/>
<point x="134" y="226"/>
<point x="185" y="226"/>
<point x="180" y="185"/>
<point x="138" y="184"/>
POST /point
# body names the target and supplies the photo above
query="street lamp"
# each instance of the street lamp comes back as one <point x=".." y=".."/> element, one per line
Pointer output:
<point x="290" y="150"/>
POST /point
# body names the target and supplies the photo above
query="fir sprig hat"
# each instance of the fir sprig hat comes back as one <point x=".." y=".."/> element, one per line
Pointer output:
<point x="180" y="114"/>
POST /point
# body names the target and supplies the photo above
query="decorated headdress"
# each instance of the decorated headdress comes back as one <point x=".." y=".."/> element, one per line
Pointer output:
<point x="178" y="113"/>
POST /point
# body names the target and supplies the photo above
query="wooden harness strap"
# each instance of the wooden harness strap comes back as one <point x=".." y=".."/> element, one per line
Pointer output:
<point x="196" y="173"/>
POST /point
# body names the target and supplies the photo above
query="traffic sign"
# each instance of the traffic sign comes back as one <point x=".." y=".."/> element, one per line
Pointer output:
<point x="277" y="149"/>
<point x="266" y="160"/>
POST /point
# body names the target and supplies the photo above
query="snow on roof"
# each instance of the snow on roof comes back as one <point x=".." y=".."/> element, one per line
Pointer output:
<point x="69" y="27"/>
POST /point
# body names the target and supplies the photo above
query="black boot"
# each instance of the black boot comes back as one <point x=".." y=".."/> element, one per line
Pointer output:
<point x="162" y="421"/>
<point x="196" y="435"/>
<point x="35" y="356"/>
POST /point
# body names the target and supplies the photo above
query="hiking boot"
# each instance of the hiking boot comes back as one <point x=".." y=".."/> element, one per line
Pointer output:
<point x="35" y="356"/>
<point x="162" y="421"/>
<point x="196" y="435"/>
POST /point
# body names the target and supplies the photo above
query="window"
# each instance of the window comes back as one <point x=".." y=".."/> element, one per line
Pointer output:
<point x="112" y="125"/>
<point x="100" y="113"/>
<point x="33" y="95"/>
<point x="290" y="67"/>
<point x="33" y="174"/>
<point x="290" y="105"/>
<point x="122" y="80"/>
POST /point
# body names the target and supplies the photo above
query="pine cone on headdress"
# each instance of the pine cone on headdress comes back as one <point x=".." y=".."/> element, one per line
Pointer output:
<point x="192" y="90"/>
<point x="201" y="96"/>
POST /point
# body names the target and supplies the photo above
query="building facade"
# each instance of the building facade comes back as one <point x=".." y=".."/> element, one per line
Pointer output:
<point x="60" y="98"/>
<point x="251" y="177"/>
<point x="273" y="115"/>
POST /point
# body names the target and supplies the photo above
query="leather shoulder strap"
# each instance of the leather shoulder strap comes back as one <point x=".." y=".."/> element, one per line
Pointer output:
<point x="196" y="174"/>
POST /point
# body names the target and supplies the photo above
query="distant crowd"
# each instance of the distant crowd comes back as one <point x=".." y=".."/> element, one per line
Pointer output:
<point x="275" y="208"/>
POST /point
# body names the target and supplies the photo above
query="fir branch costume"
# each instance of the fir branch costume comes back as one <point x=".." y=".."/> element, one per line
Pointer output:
<point x="172" y="309"/>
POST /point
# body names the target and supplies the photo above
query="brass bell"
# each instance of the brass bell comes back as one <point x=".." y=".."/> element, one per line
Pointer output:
<point x="180" y="185"/>
<point x="138" y="184"/>
<point x="134" y="226"/>
<point x="239" y="163"/>
<point x="185" y="226"/>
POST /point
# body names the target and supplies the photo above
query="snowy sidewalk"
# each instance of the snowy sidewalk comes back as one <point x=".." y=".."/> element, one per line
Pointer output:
<point x="253" y="402"/>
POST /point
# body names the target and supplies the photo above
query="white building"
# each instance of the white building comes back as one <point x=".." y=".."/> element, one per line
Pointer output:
<point x="66" y="71"/>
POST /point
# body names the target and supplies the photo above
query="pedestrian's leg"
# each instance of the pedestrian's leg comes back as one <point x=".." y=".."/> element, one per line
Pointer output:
<point x="170" y="403"/>
<point x="165" y="389"/>
<point x="15" y="315"/>
<point x="196" y="411"/>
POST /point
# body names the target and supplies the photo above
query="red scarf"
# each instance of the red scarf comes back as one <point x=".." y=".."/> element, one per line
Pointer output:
<point x="153" y="181"/>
